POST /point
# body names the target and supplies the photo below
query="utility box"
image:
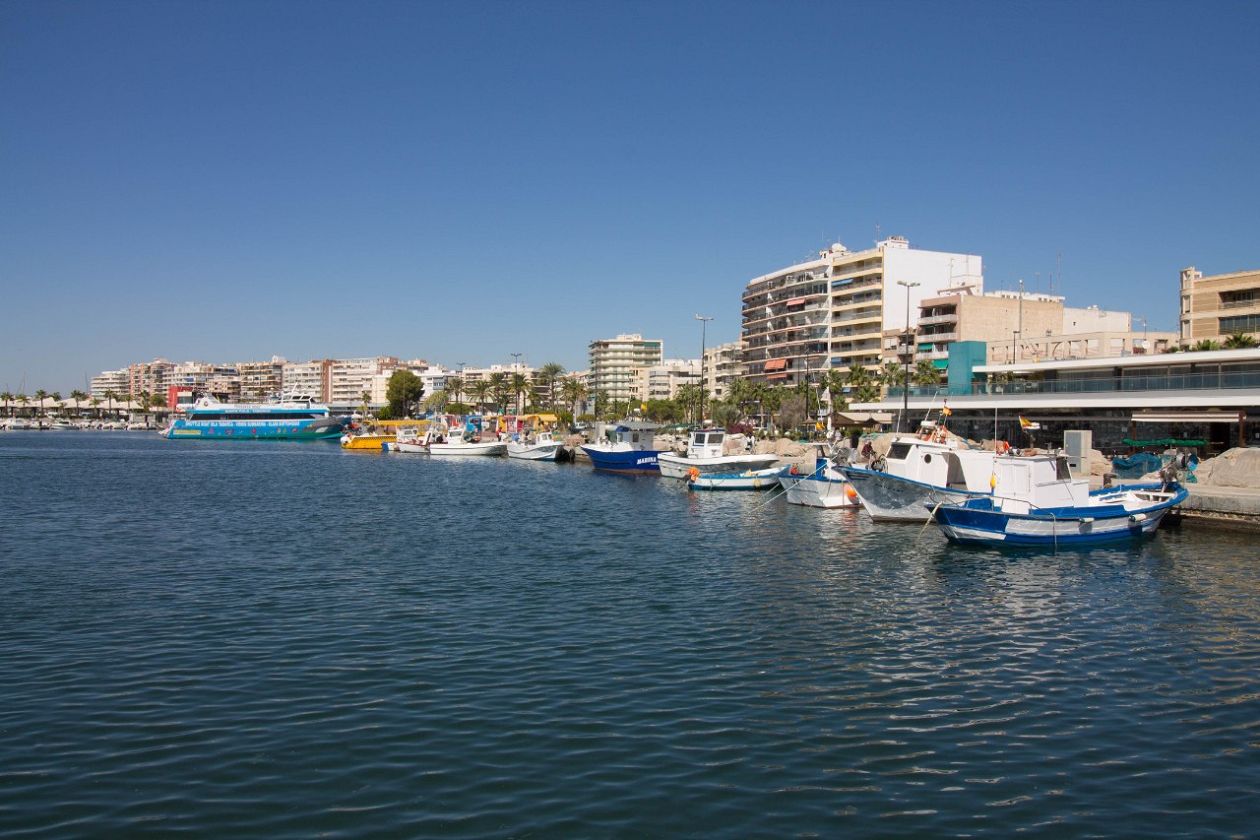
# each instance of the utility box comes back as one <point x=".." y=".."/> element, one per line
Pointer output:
<point x="1077" y="445"/>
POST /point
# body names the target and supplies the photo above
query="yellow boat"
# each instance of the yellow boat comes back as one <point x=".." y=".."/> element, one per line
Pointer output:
<point x="382" y="432"/>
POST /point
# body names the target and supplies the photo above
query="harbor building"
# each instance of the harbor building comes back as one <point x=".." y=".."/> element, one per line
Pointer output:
<point x="307" y="379"/>
<point x="1214" y="308"/>
<point x="1213" y="396"/>
<point x="722" y="364"/>
<point x="661" y="382"/>
<point x="111" y="381"/>
<point x="834" y="311"/>
<point x="616" y="364"/>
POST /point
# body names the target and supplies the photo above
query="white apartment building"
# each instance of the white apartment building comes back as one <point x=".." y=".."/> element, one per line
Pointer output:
<point x="260" y="380"/>
<point x="616" y="364"/>
<point x="832" y="312"/>
<point x="661" y="382"/>
<point x="206" y="378"/>
<point x="107" y="381"/>
<point x="722" y="364"/>
<point x="350" y="379"/>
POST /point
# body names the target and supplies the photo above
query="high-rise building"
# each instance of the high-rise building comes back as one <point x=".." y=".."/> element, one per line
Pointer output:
<point x="833" y="312"/>
<point x="1216" y="307"/>
<point x="350" y="379"/>
<point x="722" y="364"/>
<point x="260" y="380"/>
<point x="661" y="382"/>
<point x="153" y="378"/>
<point x="307" y="379"/>
<point x="111" y="381"/>
<point x="616" y="364"/>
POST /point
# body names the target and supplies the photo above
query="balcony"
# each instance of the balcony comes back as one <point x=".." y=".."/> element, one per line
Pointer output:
<point x="951" y="318"/>
<point x="938" y="336"/>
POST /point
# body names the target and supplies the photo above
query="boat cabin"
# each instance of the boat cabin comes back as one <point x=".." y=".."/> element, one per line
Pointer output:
<point x="706" y="443"/>
<point x="940" y="464"/>
<point x="1026" y="483"/>
<point x="635" y="434"/>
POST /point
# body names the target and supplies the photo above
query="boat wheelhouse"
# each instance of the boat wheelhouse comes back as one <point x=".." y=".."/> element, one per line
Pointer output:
<point x="705" y="453"/>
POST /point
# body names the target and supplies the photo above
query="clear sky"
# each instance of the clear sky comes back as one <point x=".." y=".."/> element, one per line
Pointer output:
<point x="228" y="181"/>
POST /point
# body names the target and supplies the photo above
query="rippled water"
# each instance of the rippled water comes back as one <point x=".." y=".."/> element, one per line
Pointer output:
<point x="289" y="640"/>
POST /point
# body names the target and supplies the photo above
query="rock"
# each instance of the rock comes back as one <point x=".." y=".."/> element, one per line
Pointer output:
<point x="1237" y="467"/>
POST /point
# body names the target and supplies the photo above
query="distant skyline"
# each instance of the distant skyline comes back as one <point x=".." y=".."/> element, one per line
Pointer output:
<point x="460" y="182"/>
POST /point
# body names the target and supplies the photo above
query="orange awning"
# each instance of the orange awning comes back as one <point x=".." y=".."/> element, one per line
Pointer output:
<point x="796" y="301"/>
<point x="775" y="364"/>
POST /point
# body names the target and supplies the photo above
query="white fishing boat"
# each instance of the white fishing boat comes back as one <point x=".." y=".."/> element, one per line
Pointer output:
<point x="746" y="480"/>
<point x="540" y="446"/>
<point x="21" y="424"/>
<point x="439" y="439"/>
<point x="896" y="487"/>
<point x="704" y="453"/>
<point x="1036" y="502"/>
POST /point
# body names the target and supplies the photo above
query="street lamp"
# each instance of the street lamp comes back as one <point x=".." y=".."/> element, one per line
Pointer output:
<point x="905" y="384"/>
<point x="704" y="322"/>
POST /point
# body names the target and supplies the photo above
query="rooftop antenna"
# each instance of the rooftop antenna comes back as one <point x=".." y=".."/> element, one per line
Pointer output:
<point x="877" y="233"/>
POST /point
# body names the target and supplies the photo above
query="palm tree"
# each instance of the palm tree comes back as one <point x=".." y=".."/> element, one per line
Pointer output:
<point x="366" y="396"/>
<point x="480" y="392"/>
<point x="77" y="395"/>
<point x="863" y="386"/>
<point x="572" y="391"/>
<point x="6" y="397"/>
<point x="1240" y="341"/>
<point x="1206" y="344"/>
<point x="925" y="373"/>
<point x="96" y="403"/>
<point x="454" y="385"/>
<point x="40" y="396"/>
<point x="688" y="399"/>
<point x="548" y="375"/>
<point x="56" y="397"/>
<point x="519" y="387"/>
<point x="110" y="396"/>
<point x="499" y="388"/>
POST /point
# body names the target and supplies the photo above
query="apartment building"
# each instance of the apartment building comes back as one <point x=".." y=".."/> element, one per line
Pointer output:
<point x="307" y="379"/>
<point x="116" y="382"/>
<point x="661" y="382"/>
<point x="833" y="312"/>
<point x="205" y="378"/>
<point x="616" y="364"/>
<point x="149" y="377"/>
<point x="1218" y="306"/>
<point x="722" y="364"/>
<point x="350" y="379"/>
<point x="260" y="380"/>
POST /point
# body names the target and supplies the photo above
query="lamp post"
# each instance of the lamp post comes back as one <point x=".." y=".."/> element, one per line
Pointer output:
<point x="704" y="322"/>
<point x="905" y="384"/>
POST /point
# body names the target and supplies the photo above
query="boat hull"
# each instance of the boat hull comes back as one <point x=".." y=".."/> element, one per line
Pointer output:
<point x="750" y="480"/>
<point x="190" y="429"/>
<point x="534" y="451"/>
<point x="680" y="466"/>
<point x="626" y="460"/>
<point x="374" y="443"/>
<point x="490" y="449"/>
<point x="818" y="491"/>
<point x="889" y="498"/>
<point x="972" y="526"/>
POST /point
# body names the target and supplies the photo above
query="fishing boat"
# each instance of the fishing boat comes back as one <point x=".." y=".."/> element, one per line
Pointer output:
<point x="930" y="466"/>
<point x="704" y="453"/>
<point x="293" y="419"/>
<point x="746" y="480"/>
<point x="1036" y="502"/>
<point x="825" y="487"/>
<point x="440" y="439"/>
<point x="625" y="448"/>
<point x="540" y="446"/>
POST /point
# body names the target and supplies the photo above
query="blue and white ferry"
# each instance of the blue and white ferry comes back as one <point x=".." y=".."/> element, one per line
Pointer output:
<point x="291" y="419"/>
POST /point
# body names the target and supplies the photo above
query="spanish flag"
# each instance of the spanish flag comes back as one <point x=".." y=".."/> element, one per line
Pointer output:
<point x="946" y="411"/>
<point x="1028" y="425"/>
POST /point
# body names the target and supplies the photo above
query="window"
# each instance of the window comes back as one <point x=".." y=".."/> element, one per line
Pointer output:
<point x="898" y="451"/>
<point x="1240" y="324"/>
<point x="1061" y="470"/>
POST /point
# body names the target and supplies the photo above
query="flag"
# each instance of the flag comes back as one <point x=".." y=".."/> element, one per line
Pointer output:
<point x="1028" y="425"/>
<point x="946" y="411"/>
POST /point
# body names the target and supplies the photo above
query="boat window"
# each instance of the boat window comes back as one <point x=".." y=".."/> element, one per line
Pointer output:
<point x="898" y="451"/>
<point x="715" y="437"/>
<point x="1061" y="469"/>
<point x="634" y="437"/>
<point x="927" y="458"/>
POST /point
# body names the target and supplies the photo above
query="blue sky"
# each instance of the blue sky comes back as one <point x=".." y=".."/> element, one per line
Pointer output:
<point x="462" y="181"/>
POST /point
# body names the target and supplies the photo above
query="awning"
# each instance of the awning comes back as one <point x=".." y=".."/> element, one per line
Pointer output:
<point x="1186" y="416"/>
<point x="777" y="376"/>
<point x="796" y="301"/>
<point x="860" y="418"/>
<point x="775" y="364"/>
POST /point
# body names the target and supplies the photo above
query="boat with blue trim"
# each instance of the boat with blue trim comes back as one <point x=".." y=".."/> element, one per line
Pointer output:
<point x="626" y="448"/>
<point x="1036" y="502"/>
<point x="747" y="480"/>
<point x="825" y="487"/>
<point x="705" y="449"/>
<point x="291" y="419"/>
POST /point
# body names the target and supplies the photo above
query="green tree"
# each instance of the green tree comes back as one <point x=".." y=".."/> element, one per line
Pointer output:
<point x="1240" y="341"/>
<point x="863" y="387"/>
<point x="454" y="386"/>
<point x="519" y="387"/>
<point x="403" y="392"/>
<point x="1206" y="344"/>
<point x="688" y="399"/>
<point x="366" y="398"/>
<point x="77" y="395"/>
<point x="500" y="388"/>
<point x="572" y="391"/>
<point x="479" y="390"/>
<point x="40" y="396"/>
<point x="95" y="403"/>
<point x="110" y="396"/>
<point x="436" y="402"/>
<point x="6" y="397"/>
<point x="21" y="399"/>
<point x="925" y="373"/>
<point x="56" y="397"/>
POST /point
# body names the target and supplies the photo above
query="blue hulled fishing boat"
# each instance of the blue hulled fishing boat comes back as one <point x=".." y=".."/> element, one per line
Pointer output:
<point x="625" y="448"/>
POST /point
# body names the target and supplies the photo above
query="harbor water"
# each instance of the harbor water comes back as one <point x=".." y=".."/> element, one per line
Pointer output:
<point x="290" y="640"/>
